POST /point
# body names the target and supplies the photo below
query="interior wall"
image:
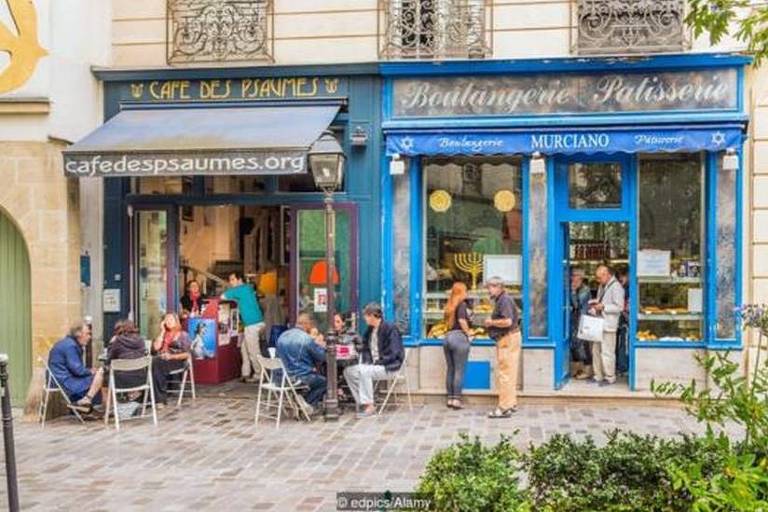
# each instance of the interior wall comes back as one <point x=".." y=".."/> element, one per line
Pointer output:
<point x="211" y="236"/>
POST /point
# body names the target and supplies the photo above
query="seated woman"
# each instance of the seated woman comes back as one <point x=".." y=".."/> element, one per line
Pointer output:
<point x="171" y="348"/>
<point x="127" y="343"/>
<point x="192" y="300"/>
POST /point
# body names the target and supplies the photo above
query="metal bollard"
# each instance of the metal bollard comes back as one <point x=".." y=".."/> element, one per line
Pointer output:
<point x="10" y="450"/>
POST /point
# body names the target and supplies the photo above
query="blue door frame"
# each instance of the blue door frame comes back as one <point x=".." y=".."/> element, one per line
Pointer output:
<point x="559" y="261"/>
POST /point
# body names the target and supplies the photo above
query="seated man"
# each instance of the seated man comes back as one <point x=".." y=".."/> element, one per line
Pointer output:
<point x="82" y="385"/>
<point x="300" y="354"/>
<point x="381" y="355"/>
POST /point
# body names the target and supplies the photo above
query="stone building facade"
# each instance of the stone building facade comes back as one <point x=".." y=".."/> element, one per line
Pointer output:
<point x="48" y="97"/>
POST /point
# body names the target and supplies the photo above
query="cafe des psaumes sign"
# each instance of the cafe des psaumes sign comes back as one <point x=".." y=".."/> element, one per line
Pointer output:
<point x="236" y="89"/>
<point x="548" y="94"/>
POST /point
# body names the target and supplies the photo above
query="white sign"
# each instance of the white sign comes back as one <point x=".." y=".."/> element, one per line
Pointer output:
<point x="321" y="300"/>
<point x="654" y="263"/>
<point x="509" y="267"/>
<point x="695" y="300"/>
<point x="110" y="300"/>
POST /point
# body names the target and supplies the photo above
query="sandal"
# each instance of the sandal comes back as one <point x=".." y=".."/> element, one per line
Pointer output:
<point x="502" y="413"/>
<point x="457" y="405"/>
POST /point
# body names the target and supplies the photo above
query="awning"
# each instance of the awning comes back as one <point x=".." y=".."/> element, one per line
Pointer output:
<point x="567" y="142"/>
<point x="201" y="141"/>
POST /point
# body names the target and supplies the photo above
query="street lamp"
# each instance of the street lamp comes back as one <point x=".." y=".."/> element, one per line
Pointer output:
<point x="326" y="161"/>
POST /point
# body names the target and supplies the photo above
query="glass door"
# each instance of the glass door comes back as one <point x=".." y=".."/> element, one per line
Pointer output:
<point x="308" y="266"/>
<point x="153" y="267"/>
<point x="593" y="197"/>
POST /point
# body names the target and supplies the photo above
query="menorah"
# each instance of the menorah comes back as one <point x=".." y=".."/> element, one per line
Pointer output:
<point x="471" y="263"/>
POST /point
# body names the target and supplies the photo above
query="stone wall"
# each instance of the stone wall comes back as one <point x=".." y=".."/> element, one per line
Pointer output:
<point x="44" y="205"/>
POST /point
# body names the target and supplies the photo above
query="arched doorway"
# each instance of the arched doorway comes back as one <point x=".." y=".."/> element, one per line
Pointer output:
<point x="15" y="307"/>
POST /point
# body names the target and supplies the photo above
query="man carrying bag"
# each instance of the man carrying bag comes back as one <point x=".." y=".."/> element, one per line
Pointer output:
<point x="609" y="306"/>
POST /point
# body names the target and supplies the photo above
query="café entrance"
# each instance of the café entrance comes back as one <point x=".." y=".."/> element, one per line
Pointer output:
<point x="279" y="249"/>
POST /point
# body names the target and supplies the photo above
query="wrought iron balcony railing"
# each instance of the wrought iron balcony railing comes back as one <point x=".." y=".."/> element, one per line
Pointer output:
<point x="435" y="29"/>
<point x="219" y="30"/>
<point x="630" y="26"/>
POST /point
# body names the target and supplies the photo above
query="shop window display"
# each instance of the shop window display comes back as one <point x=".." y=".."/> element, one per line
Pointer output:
<point x="473" y="227"/>
<point x="670" y="256"/>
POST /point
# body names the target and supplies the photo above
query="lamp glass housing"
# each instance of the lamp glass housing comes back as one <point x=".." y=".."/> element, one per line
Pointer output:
<point x="326" y="161"/>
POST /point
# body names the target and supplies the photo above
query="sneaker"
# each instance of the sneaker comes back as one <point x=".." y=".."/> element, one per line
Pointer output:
<point x="366" y="414"/>
<point x="604" y="383"/>
<point x="502" y="413"/>
<point x="83" y="405"/>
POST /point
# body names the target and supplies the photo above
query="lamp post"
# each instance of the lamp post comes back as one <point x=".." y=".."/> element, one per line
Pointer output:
<point x="326" y="161"/>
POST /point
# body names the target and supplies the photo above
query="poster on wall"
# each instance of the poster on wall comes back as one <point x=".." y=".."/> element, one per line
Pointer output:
<point x="321" y="300"/>
<point x="509" y="267"/>
<point x="204" y="335"/>
<point x="654" y="263"/>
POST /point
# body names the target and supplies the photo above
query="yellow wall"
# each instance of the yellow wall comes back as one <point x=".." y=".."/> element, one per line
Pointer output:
<point x="44" y="204"/>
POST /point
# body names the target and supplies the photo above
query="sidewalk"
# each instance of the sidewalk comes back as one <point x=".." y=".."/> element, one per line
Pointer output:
<point x="209" y="455"/>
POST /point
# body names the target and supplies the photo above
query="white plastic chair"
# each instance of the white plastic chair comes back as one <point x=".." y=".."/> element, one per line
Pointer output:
<point x="280" y="390"/>
<point x="51" y="385"/>
<point x="130" y="365"/>
<point x="187" y="373"/>
<point x="393" y="380"/>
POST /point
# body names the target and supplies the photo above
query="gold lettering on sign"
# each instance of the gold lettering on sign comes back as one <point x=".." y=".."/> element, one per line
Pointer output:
<point x="154" y="90"/>
<point x="215" y="89"/>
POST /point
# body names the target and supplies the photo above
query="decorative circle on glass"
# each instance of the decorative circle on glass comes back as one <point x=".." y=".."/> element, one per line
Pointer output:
<point x="440" y="201"/>
<point x="504" y="200"/>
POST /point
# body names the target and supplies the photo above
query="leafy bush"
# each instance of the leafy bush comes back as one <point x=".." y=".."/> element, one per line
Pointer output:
<point x="628" y="473"/>
<point x="468" y="476"/>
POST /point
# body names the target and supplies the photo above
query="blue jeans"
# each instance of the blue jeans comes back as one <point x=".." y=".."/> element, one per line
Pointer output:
<point x="317" y="387"/>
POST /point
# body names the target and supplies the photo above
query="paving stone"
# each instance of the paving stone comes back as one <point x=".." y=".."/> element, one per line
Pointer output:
<point x="210" y="456"/>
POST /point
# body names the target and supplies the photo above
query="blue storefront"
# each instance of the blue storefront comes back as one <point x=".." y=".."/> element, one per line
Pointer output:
<point x="205" y="172"/>
<point x="537" y="169"/>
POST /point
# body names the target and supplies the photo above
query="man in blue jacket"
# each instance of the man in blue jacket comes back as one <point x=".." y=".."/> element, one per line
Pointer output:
<point x="301" y="354"/>
<point x="381" y="357"/>
<point x="82" y="385"/>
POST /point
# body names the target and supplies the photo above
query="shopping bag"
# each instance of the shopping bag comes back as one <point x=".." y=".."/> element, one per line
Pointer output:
<point x="591" y="328"/>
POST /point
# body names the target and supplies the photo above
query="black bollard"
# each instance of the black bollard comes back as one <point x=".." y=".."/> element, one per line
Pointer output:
<point x="10" y="451"/>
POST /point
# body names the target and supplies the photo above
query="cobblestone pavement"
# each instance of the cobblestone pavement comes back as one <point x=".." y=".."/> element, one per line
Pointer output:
<point x="209" y="455"/>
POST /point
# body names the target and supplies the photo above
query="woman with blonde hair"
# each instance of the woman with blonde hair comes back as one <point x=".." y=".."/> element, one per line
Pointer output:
<point x="171" y="349"/>
<point x="457" y="316"/>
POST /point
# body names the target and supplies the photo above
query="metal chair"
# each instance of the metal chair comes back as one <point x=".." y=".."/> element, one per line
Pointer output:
<point x="275" y="381"/>
<point x="393" y="380"/>
<point x="187" y="373"/>
<point x="51" y="385"/>
<point x="130" y="365"/>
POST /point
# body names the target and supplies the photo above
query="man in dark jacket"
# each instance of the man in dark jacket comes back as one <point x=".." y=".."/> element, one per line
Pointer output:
<point x="81" y="384"/>
<point x="381" y="357"/>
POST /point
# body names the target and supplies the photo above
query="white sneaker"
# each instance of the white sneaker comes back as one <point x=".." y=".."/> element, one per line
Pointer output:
<point x="304" y="405"/>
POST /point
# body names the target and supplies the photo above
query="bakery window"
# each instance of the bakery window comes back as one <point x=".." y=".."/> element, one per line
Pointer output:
<point x="670" y="262"/>
<point x="473" y="231"/>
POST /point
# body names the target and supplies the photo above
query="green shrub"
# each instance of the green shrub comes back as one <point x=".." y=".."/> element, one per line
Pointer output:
<point x="628" y="473"/>
<point x="468" y="477"/>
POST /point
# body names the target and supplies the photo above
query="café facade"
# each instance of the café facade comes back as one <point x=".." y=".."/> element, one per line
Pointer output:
<point x="456" y="171"/>
<point x="532" y="169"/>
<point x="205" y="172"/>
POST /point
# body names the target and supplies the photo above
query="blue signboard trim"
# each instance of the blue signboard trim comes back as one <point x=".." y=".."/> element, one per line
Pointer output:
<point x="565" y="142"/>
